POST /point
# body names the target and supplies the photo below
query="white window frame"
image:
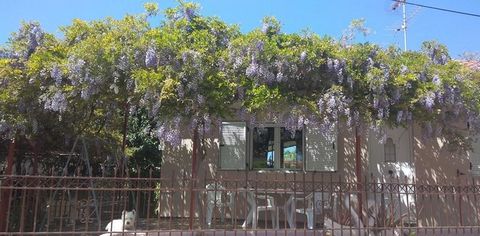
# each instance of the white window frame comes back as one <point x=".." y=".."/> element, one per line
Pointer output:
<point x="219" y="162"/>
<point x="277" y="137"/>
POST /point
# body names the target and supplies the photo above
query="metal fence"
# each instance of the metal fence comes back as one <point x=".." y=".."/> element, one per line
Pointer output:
<point x="313" y="205"/>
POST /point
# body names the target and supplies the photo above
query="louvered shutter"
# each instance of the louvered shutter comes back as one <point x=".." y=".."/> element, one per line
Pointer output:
<point x="475" y="157"/>
<point x="233" y="146"/>
<point x="321" y="149"/>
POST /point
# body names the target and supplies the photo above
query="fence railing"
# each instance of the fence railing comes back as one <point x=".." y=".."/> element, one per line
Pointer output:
<point x="56" y="205"/>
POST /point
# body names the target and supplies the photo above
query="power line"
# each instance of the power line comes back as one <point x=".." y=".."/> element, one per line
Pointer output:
<point x="437" y="8"/>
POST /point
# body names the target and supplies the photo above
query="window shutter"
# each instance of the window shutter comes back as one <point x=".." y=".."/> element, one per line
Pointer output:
<point x="321" y="149"/>
<point x="475" y="157"/>
<point x="233" y="146"/>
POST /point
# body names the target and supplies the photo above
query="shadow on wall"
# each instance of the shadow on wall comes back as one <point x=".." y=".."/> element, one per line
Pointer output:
<point x="438" y="164"/>
<point x="176" y="173"/>
<point x="347" y="154"/>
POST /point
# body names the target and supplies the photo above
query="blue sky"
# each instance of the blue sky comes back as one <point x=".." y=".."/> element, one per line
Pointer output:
<point x="460" y="33"/>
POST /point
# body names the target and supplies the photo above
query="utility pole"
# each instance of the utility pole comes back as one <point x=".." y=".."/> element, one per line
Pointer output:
<point x="404" y="25"/>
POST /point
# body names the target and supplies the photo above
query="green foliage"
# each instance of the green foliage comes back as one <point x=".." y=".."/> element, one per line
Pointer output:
<point x="151" y="8"/>
<point x="143" y="149"/>
<point x="192" y="70"/>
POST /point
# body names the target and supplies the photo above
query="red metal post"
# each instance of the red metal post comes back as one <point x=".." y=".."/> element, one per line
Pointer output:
<point x="358" y="172"/>
<point x="5" y="198"/>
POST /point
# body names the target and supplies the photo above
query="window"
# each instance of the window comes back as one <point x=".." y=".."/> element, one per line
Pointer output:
<point x="233" y="146"/>
<point x="275" y="147"/>
<point x="474" y="156"/>
<point x="389" y="148"/>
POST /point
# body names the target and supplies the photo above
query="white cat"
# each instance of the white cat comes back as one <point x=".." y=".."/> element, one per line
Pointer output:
<point x="127" y="222"/>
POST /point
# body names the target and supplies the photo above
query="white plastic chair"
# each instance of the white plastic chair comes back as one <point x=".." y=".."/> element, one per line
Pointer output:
<point x="268" y="206"/>
<point x="215" y="198"/>
<point x="315" y="204"/>
<point x="257" y="203"/>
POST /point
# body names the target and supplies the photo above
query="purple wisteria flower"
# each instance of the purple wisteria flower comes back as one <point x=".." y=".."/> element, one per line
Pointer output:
<point x="330" y="64"/>
<point x="56" y="74"/>
<point x="123" y="63"/>
<point x="189" y="13"/>
<point x="259" y="46"/>
<point x="400" y="117"/>
<point x="151" y="57"/>
<point x="436" y="80"/>
<point x="429" y="100"/>
<point x="34" y="36"/>
<point x="252" y="70"/>
<point x="280" y="77"/>
<point x="169" y="132"/>
<point x="200" y="99"/>
<point x="265" y="27"/>
<point x="180" y="91"/>
<point x="303" y="56"/>
<point x="75" y="69"/>
<point x="57" y="102"/>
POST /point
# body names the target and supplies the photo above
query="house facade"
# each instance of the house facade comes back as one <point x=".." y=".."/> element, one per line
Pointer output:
<point x="269" y="152"/>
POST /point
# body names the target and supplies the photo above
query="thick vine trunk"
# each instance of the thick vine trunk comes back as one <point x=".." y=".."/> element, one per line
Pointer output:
<point x="5" y="193"/>
<point x="36" y="152"/>
<point x="124" y="140"/>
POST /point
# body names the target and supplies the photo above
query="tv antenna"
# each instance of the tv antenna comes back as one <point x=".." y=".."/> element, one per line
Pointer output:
<point x="395" y="6"/>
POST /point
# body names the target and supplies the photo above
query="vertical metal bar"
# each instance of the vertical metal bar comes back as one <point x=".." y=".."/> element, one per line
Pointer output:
<point x="377" y="208"/>
<point x="366" y="189"/>
<point x="409" y="213"/>
<point x="400" y="187"/>
<point x="113" y="197"/>
<point x="341" y="202"/>
<point x="183" y="195"/>
<point x="332" y="188"/>
<point x="149" y="199"/>
<point x="430" y="194"/>
<point x="321" y="190"/>
<point x="294" y="198"/>
<point x="460" y="197"/>
<point x="172" y="195"/>
<point x="62" y="209"/>
<point x="194" y="175"/>
<point x="475" y="204"/>
<point x="264" y="185"/>
<point x="23" y="208"/>
<point x="234" y="207"/>
<point x="160" y="200"/>
<point x="137" y="197"/>
<point x="76" y="204"/>
<point x="49" y="206"/>
<point x="35" y="209"/>
<point x="87" y="207"/>
<point x="303" y="195"/>
<point x="7" y="192"/>
<point x="285" y="215"/>
<point x="415" y="199"/>
<point x="393" y="192"/>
